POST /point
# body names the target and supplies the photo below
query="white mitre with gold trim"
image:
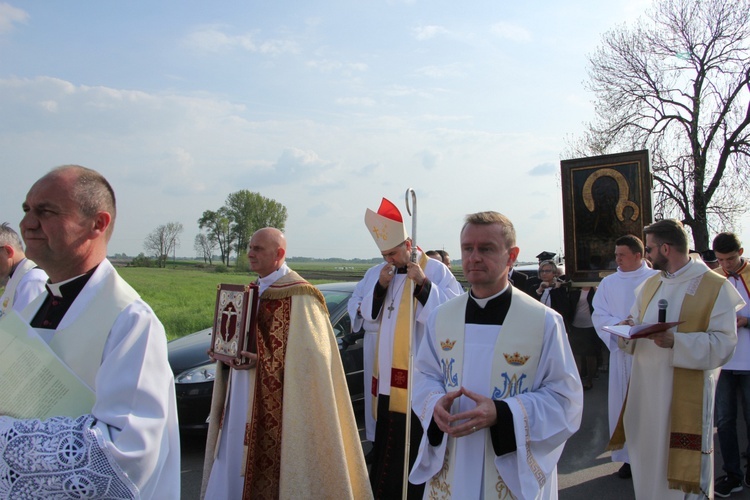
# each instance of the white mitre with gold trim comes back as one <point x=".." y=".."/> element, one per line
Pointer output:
<point x="386" y="226"/>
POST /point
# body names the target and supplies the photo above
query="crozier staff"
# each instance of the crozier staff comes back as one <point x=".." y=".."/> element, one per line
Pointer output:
<point x="386" y="305"/>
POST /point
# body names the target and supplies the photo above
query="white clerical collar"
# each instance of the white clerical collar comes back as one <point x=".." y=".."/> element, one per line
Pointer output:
<point x="483" y="302"/>
<point x="677" y="273"/>
<point x="54" y="288"/>
<point x="269" y="280"/>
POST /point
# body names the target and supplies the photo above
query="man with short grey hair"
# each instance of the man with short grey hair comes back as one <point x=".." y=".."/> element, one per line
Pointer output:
<point x="23" y="280"/>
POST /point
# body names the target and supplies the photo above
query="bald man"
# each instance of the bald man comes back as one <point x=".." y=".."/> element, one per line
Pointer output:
<point x="287" y="423"/>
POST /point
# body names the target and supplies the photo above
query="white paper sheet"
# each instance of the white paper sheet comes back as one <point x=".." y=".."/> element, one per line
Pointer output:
<point x="35" y="382"/>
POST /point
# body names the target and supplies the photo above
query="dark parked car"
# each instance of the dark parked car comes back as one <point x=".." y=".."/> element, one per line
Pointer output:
<point x="194" y="371"/>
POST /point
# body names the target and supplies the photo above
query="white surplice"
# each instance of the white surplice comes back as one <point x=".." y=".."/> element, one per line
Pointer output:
<point x="131" y="435"/>
<point x="612" y="303"/>
<point x="24" y="286"/>
<point x="647" y="414"/>
<point x="369" y="344"/>
<point x="550" y="412"/>
<point x="444" y="287"/>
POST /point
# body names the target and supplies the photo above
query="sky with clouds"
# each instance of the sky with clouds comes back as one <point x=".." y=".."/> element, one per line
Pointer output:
<point x="324" y="106"/>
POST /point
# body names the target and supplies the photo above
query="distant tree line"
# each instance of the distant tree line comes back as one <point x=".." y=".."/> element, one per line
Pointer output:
<point x="227" y="229"/>
<point x="230" y="227"/>
<point x="162" y="241"/>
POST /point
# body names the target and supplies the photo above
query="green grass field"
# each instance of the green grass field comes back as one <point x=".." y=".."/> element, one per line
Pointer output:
<point x="183" y="296"/>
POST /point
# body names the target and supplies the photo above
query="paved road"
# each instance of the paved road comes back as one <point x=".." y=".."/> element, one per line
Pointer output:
<point x="585" y="470"/>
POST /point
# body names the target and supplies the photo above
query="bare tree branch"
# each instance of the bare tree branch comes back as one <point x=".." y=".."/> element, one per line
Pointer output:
<point x="677" y="82"/>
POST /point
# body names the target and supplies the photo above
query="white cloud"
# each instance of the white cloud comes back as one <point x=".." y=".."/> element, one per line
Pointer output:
<point x="298" y="163"/>
<point x="428" y="32"/>
<point x="329" y="65"/>
<point x="214" y="39"/>
<point x="50" y="106"/>
<point x="443" y="71"/>
<point x="430" y="159"/>
<point x="10" y="16"/>
<point x="544" y="169"/>
<point x="356" y="101"/>
<point x="511" y="32"/>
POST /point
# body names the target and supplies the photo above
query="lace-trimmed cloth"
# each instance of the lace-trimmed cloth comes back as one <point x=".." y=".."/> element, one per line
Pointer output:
<point x="69" y="460"/>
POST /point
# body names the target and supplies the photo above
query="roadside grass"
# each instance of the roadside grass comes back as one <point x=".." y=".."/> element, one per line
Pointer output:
<point x="183" y="296"/>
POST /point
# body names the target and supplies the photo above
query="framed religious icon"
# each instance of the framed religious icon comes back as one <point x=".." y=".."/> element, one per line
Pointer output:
<point x="604" y="197"/>
<point x="235" y="323"/>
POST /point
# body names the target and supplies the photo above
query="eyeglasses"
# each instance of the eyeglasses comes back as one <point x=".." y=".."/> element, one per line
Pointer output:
<point x="648" y="249"/>
<point x="546" y="271"/>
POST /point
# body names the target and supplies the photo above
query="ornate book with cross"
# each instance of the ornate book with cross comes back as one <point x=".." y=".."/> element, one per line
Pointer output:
<point x="235" y="323"/>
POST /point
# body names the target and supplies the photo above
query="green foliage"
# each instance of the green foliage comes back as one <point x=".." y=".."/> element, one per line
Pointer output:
<point x="218" y="226"/>
<point x="249" y="212"/>
<point x="142" y="261"/>
<point x="221" y="268"/>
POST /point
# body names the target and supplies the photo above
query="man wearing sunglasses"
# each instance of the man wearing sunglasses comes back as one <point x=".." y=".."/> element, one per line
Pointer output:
<point x="668" y="416"/>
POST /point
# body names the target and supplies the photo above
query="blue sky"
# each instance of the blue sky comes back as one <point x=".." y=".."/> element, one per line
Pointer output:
<point x="323" y="106"/>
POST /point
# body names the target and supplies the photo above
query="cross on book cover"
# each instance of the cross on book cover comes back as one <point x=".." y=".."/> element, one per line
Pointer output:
<point x="235" y="322"/>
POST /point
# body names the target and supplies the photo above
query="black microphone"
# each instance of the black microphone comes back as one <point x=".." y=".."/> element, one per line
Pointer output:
<point x="662" y="310"/>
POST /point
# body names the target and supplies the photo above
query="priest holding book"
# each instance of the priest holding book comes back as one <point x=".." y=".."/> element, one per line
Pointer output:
<point x="667" y="420"/>
<point x="282" y="426"/>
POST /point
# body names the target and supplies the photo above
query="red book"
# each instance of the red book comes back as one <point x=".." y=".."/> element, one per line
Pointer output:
<point x="235" y="323"/>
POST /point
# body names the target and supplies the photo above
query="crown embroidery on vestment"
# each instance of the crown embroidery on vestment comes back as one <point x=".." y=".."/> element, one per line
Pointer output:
<point x="516" y="359"/>
<point x="447" y="344"/>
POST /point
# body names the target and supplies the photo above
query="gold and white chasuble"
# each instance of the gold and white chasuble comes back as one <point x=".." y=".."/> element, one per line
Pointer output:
<point x="526" y="362"/>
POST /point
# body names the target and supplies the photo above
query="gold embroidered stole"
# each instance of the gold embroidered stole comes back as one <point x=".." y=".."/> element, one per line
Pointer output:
<point x="264" y="430"/>
<point x="402" y="337"/>
<point x="686" y="410"/>
<point x="516" y="357"/>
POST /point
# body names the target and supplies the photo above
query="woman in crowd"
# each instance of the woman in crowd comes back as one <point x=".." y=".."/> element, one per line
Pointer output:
<point x="552" y="291"/>
<point x="575" y="308"/>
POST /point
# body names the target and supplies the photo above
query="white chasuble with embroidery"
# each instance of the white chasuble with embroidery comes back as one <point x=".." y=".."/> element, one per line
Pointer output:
<point x="526" y="362"/>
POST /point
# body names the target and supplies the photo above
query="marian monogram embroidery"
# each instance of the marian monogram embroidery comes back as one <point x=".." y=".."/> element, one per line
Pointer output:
<point x="450" y="379"/>
<point x="512" y="386"/>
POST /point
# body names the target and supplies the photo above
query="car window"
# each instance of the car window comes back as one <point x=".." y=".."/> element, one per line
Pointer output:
<point x="334" y="298"/>
<point x="342" y="326"/>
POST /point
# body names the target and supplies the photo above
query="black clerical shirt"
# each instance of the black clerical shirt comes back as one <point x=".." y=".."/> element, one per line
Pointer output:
<point x="421" y="293"/>
<point x="54" y="307"/>
<point x="503" y="432"/>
